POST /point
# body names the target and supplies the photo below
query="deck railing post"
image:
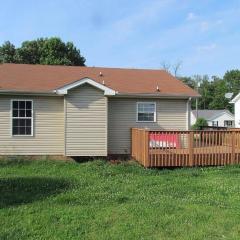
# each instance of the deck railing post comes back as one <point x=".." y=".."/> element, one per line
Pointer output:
<point x="146" y="149"/>
<point x="233" y="146"/>
<point x="133" y="142"/>
<point x="138" y="139"/>
<point x="190" y="148"/>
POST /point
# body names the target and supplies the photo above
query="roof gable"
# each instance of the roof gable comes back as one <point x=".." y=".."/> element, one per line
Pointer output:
<point x="64" y="90"/>
<point x="235" y="99"/>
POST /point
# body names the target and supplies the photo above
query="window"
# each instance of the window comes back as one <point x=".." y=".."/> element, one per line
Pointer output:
<point x="228" y="123"/>
<point x="22" y="119"/>
<point x="146" y="112"/>
<point x="215" y="123"/>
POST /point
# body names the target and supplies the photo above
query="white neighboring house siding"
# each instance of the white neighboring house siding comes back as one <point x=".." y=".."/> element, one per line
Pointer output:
<point x="220" y="119"/>
<point x="86" y="122"/>
<point x="237" y="113"/>
<point x="48" y="127"/>
<point x="236" y="102"/>
<point x="170" y="115"/>
<point x="193" y="118"/>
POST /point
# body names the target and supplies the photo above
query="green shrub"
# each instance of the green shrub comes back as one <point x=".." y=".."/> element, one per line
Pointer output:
<point x="201" y="122"/>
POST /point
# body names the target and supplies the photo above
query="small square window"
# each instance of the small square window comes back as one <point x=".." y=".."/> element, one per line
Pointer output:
<point x="146" y="112"/>
<point x="228" y="123"/>
<point x="215" y="123"/>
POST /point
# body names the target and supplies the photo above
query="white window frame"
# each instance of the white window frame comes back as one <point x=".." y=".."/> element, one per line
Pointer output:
<point x="155" y="114"/>
<point x="11" y="118"/>
<point x="227" y="121"/>
<point x="213" y="123"/>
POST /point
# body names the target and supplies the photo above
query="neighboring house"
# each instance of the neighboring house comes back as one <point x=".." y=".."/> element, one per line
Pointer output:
<point x="85" y="111"/>
<point x="215" y="118"/>
<point x="236" y="102"/>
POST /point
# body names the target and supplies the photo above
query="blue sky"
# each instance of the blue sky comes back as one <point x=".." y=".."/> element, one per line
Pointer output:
<point x="203" y="35"/>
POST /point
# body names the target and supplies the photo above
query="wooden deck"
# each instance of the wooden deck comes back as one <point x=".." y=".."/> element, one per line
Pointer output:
<point x="185" y="148"/>
<point x="201" y="157"/>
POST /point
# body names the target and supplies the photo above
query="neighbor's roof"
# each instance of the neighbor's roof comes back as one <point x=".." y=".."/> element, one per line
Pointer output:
<point x="236" y="98"/>
<point x="47" y="78"/>
<point x="211" y="114"/>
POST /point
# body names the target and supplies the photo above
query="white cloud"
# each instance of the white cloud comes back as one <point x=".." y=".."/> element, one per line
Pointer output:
<point x="145" y="14"/>
<point x="191" y="16"/>
<point x="207" y="48"/>
<point x="204" y="26"/>
<point x="210" y="25"/>
<point x="219" y="21"/>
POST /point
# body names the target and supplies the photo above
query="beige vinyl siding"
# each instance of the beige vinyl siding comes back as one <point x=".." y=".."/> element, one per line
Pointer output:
<point x="86" y="122"/>
<point x="48" y="128"/>
<point x="122" y="113"/>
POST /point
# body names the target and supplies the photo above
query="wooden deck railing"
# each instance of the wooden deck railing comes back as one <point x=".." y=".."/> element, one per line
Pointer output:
<point x="185" y="148"/>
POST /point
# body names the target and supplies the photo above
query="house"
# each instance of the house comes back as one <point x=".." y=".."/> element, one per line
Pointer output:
<point x="236" y="102"/>
<point x="85" y="111"/>
<point x="215" y="118"/>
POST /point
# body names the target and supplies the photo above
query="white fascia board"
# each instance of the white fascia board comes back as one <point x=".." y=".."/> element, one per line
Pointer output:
<point x="64" y="90"/>
<point x="234" y="100"/>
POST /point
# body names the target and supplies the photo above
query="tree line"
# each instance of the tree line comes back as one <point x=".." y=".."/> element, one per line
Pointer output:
<point x="213" y="89"/>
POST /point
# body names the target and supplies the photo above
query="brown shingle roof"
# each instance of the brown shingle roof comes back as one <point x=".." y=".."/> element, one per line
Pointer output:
<point x="45" y="78"/>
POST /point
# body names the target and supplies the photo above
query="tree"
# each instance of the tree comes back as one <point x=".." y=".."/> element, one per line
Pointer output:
<point x="232" y="79"/>
<point x="171" y="68"/>
<point x="7" y="53"/>
<point x="203" y="86"/>
<point x="199" y="124"/>
<point x="206" y="90"/>
<point x="30" y="52"/>
<point x="166" y="66"/>
<point x="49" y="51"/>
<point x="188" y="81"/>
<point x="176" y="68"/>
<point x="219" y="101"/>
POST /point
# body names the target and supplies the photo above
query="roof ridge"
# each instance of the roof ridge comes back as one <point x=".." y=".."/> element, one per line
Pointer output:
<point x="100" y="67"/>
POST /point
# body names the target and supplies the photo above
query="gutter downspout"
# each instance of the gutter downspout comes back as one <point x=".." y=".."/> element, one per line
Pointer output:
<point x="188" y="115"/>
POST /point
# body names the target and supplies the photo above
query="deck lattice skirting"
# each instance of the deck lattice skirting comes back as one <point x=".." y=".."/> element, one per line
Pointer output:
<point x="185" y="148"/>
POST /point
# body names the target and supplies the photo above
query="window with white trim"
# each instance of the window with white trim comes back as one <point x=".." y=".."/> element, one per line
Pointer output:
<point x="215" y="123"/>
<point x="146" y="112"/>
<point x="22" y="117"/>
<point x="228" y="123"/>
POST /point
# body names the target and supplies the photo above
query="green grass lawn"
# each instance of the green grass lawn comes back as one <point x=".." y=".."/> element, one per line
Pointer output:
<point x="99" y="200"/>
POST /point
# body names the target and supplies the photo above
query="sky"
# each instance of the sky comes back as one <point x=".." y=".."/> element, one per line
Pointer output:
<point x="204" y="36"/>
